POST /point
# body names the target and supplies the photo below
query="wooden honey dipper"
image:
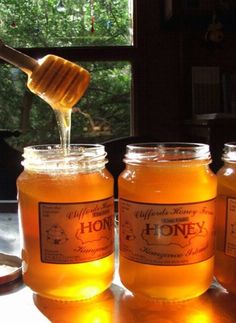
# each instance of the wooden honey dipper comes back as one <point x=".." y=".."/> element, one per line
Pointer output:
<point x="57" y="81"/>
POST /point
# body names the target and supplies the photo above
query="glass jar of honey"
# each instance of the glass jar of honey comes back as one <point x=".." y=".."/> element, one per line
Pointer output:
<point x="166" y="220"/>
<point x="225" y="257"/>
<point x="66" y="217"/>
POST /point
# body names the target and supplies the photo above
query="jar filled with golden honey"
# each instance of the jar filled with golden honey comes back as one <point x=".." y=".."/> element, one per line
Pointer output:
<point x="66" y="217"/>
<point x="166" y="220"/>
<point x="225" y="257"/>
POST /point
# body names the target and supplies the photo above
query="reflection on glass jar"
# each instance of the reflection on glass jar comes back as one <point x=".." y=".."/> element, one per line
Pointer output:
<point x="67" y="221"/>
<point x="101" y="308"/>
<point x="225" y="259"/>
<point x="166" y="220"/>
<point x="213" y="306"/>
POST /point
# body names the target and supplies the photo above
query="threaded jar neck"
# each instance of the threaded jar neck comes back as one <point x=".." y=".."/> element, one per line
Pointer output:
<point x="155" y="152"/>
<point x="229" y="152"/>
<point x="52" y="158"/>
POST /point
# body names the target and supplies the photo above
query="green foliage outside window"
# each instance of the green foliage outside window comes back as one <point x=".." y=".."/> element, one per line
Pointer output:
<point x="53" y="23"/>
<point x="104" y="111"/>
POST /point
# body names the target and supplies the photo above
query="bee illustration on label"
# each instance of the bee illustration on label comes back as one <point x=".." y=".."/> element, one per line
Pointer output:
<point x="127" y="231"/>
<point x="56" y="235"/>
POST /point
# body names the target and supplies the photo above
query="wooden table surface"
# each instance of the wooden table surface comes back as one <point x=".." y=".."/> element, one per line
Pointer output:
<point x="19" y="304"/>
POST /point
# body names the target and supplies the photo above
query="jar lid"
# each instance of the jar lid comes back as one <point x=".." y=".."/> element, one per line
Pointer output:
<point x="10" y="268"/>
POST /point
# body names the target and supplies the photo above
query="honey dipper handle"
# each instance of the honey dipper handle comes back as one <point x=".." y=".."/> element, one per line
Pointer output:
<point x="26" y="63"/>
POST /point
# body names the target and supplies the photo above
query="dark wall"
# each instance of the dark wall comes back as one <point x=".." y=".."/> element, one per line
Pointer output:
<point x="171" y="48"/>
<point x="160" y="106"/>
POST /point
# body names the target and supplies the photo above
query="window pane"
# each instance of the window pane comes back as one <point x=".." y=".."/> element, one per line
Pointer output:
<point x="62" y="23"/>
<point x="102" y="113"/>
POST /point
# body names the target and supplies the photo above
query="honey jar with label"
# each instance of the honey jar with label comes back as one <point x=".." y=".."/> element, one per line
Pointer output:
<point x="166" y="220"/>
<point x="66" y="221"/>
<point x="225" y="257"/>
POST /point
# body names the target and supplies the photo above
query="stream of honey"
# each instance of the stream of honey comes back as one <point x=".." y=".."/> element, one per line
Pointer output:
<point x="61" y="84"/>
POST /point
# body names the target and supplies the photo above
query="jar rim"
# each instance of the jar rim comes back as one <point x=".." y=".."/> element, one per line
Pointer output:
<point x="166" y="151"/>
<point x="58" y="147"/>
<point x="229" y="152"/>
<point x="78" y="157"/>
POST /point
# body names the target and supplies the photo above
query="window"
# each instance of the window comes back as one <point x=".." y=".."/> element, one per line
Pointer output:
<point x="97" y="35"/>
<point x="102" y="113"/>
<point x="67" y="23"/>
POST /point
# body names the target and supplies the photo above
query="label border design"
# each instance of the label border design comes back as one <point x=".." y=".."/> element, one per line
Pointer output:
<point x="226" y="224"/>
<point x="71" y="203"/>
<point x="168" y="204"/>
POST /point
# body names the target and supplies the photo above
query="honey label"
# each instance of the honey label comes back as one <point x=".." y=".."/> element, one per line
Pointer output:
<point x="167" y="234"/>
<point x="72" y="233"/>
<point x="230" y="236"/>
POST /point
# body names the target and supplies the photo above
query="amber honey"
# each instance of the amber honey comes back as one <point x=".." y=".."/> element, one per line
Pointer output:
<point x="59" y="82"/>
<point x="166" y="220"/>
<point x="66" y="221"/>
<point x="225" y="259"/>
